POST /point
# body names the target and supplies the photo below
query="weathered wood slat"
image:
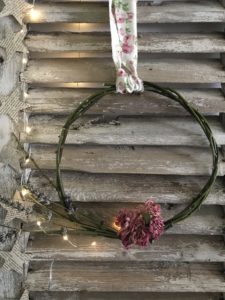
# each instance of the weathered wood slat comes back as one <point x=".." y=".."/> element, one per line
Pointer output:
<point x="125" y="188"/>
<point x="102" y="70"/>
<point x="209" y="220"/>
<point x="105" y="28"/>
<point x="124" y="131"/>
<point x="168" y="248"/>
<point x="10" y="286"/>
<point x="124" y="277"/>
<point x="122" y="296"/>
<point x="147" y="42"/>
<point x="63" y="101"/>
<point x="125" y="159"/>
<point x="168" y="12"/>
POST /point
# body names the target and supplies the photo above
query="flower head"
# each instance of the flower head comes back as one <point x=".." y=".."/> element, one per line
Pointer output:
<point x="141" y="225"/>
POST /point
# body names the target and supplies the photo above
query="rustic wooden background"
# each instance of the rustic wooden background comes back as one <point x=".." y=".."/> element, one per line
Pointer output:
<point x="128" y="148"/>
<point x="131" y="148"/>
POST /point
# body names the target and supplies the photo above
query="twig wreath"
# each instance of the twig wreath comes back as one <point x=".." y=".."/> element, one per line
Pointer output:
<point x="143" y="224"/>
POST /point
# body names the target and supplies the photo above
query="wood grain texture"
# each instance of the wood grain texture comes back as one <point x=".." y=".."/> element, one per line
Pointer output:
<point x="63" y="101"/>
<point x="206" y="221"/>
<point x="10" y="284"/>
<point x="122" y="296"/>
<point x="186" y="263"/>
<point x="168" y="12"/>
<point x="126" y="188"/>
<point x="124" y="131"/>
<point x="129" y="159"/>
<point x="102" y="70"/>
<point x="147" y="42"/>
<point x="118" y="276"/>
<point x="167" y="248"/>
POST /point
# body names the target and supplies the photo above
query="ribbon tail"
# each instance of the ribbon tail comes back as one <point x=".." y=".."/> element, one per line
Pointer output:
<point x="123" y="25"/>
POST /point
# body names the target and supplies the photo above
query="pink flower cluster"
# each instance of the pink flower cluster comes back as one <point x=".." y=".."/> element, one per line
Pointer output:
<point x="141" y="225"/>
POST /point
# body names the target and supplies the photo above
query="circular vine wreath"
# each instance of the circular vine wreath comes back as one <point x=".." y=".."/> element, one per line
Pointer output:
<point x="143" y="224"/>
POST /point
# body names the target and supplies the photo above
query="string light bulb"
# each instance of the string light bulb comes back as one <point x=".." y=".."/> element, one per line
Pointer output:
<point x="25" y="95"/>
<point x="39" y="223"/>
<point x="34" y="14"/>
<point x="27" y="160"/>
<point x="28" y="129"/>
<point x="65" y="237"/>
<point x="24" y="60"/>
<point x="116" y="226"/>
<point x="64" y="234"/>
<point x="93" y="243"/>
<point x="24" y="192"/>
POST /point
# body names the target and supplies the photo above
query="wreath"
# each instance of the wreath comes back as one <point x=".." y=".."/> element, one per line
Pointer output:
<point x="144" y="224"/>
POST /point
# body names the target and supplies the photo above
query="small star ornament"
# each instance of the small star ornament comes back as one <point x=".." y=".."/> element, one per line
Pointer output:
<point x="13" y="42"/>
<point x="15" y="259"/>
<point x="25" y="295"/>
<point x="15" y="8"/>
<point x="10" y="105"/>
<point x="13" y="213"/>
<point x="18" y="208"/>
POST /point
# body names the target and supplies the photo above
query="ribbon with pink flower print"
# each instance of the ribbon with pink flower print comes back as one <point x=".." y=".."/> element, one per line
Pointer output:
<point x="123" y="25"/>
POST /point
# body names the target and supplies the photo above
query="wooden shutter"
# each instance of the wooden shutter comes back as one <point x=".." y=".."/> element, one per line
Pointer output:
<point x="128" y="148"/>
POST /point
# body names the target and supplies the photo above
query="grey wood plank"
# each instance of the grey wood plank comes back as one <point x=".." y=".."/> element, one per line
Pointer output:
<point x="124" y="131"/>
<point x="118" y="276"/>
<point x="128" y="159"/>
<point x="102" y="70"/>
<point x="63" y="101"/>
<point x="168" y="12"/>
<point x="10" y="286"/>
<point x="85" y="187"/>
<point x="187" y="248"/>
<point x="122" y="296"/>
<point x="147" y="42"/>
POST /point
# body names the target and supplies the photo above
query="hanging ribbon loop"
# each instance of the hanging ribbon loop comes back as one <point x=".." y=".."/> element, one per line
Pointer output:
<point x="123" y="25"/>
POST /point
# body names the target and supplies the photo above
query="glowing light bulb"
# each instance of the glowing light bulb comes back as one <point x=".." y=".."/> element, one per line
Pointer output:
<point x="24" y="192"/>
<point x="39" y="223"/>
<point x="65" y="237"/>
<point x="24" y="60"/>
<point x="21" y="31"/>
<point x="28" y="129"/>
<point x="27" y="160"/>
<point x="93" y="243"/>
<point x="25" y="95"/>
<point x="116" y="226"/>
<point x="34" y="14"/>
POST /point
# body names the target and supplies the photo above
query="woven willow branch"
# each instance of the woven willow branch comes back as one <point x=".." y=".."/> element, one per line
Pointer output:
<point x="94" y="224"/>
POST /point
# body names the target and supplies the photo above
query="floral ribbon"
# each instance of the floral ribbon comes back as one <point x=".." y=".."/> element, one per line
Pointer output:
<point x="123" y="25"/>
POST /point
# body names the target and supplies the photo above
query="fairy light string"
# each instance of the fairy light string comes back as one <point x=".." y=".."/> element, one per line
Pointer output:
<point x="34" y="14"/>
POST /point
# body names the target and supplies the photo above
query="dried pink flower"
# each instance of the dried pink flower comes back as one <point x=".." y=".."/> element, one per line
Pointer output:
<point x="141" y="225"/>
